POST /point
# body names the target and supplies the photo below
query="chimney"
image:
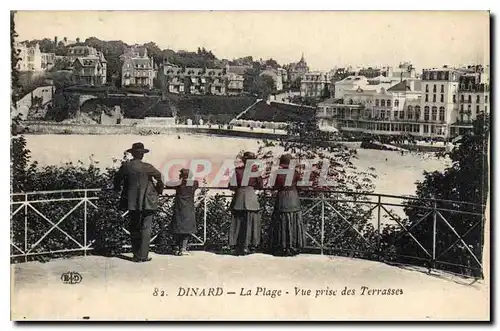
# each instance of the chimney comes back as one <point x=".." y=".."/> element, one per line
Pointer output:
<point x="55" y="40"/>
<point x="77" y="40"/>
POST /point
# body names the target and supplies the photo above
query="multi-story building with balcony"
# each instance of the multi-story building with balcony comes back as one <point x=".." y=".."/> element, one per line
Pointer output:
<point x="374" y="109"/>
<point x="473" y="99"/>
<point x="439" y="100"/>
<point x="200" y="81"/>
<point x="234" y="84"/>
<point x="440" y="105"/>
<point x="315" y="84"/>
<point x="90" y="70"/>
<point x="138" y="70"/>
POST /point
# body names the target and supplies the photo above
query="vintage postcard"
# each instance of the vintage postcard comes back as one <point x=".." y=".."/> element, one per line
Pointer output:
<point x="250" y="166"/>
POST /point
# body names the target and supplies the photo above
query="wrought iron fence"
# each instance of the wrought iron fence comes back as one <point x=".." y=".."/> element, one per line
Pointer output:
<point x="375" y="226"/>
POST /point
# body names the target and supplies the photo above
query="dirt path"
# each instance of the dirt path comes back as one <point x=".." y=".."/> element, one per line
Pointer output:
<point x="117" y="289"/>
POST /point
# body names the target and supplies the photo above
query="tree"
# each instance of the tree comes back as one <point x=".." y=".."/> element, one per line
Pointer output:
<point x="263" y="86"/>
<point x="466" y="180"/>
<point x="326" y="92"/>
<point x="295" y="86"/>
<point x="14" y="58"/>
<point x="272" y="63"/>
<point x="155" y="52"/>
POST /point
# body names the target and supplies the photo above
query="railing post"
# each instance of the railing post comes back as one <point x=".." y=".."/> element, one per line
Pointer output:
<point x="322" y="222"/>
<point x="379" y="221"/>
<point x="85" y="224"/>
<point x="434" y="230"/>
<point x="205" y="205"/>
<point x="26" y="227"/>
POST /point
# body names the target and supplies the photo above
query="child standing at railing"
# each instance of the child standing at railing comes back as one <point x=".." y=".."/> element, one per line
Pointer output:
<point x="184" y="222"/>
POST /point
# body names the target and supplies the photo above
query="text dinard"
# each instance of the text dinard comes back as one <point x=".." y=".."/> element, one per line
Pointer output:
<point x="296" y="291"/>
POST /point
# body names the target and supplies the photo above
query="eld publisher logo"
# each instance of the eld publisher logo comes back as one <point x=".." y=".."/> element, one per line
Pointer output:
<point x="71" y="277"/>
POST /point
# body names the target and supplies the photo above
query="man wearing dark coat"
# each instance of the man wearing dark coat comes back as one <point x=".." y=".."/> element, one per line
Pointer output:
<point x="142" y="183"/>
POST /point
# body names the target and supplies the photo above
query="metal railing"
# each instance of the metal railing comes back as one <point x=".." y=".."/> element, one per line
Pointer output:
<point x="327" y="217"/>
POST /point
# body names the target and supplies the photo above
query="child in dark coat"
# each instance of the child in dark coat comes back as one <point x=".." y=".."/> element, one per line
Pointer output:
<point x="184" y="222"/>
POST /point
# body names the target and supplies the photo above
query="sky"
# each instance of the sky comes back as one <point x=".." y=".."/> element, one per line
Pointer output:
<point x="327" y="38"/>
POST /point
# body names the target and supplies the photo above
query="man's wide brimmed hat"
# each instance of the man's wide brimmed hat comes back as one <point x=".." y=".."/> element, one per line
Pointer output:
<point x="138" y="147"/>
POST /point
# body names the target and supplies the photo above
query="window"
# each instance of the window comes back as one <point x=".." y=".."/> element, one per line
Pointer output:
<point x="442" y="88"/>
<point x="461" y="108"/>
<point x="426" y="87"/>
<point x="477" y="109"/>
<point x="426" y="113"/>
<point x="434" y="88"/>
<point x="376" y="103"/>
<point x="478" y="99"/>
<point x="396" y="115"/>
<point x="417" y="112"/>
<point x="433" y="98"/>
<point x="382" y="103"/>
<point x="434" y="113"/>
<point x="442" y="97"/>
<point x="485" y="99"/>
<point x="396" y="103"/>
<point x="426" y="129"/>
<point x="410" y="112"/>
<point x="470" y="98"/>
<point x="402" y="115"/>
<point x="454" y="98"/>
<point x="441" y="114"/>
<point x="388" y="103"/>
<point x="382" y="113"/>
<point x="462" y="98"/>
<point x="468" y="109"/>
<point x="426" y="98"/>
<point x="485" y="109"/>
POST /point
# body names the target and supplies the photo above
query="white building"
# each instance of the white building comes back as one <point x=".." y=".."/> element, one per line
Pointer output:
<point x="441" y="105"/>
<point x="32" y="59"/>
<point x="315" y="84"/>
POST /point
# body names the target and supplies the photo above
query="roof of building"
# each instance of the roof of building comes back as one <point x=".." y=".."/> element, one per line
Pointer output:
<point x="239" y="70"/>
<point x="137" y="51"/>
<point x="406" y="86"/>
<point x="82" y="50"/>
<point x="141" y="61"/>
<point x="400" y="87"/>
<point x="88" y="61"/>
<point x="352" y="79"/>
<point x="381" y="79"/>
<point x="330" y="101"/>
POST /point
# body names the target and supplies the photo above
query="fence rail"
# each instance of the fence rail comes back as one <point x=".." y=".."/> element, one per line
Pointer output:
<point x="326" y="216"/>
